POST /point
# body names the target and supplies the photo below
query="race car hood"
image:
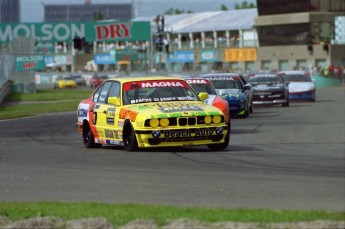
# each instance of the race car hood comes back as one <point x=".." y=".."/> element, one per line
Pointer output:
<point x="229" y="93"/>
<point x="174" y="109"/>
<point x="263" y="87"/>
<point x="301" y="86"/>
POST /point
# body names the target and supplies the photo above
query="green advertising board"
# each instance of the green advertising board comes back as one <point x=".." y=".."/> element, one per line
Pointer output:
<point x="30" y="62"/>
<point x="67" y="31"/>
<point x="127" y="55"/>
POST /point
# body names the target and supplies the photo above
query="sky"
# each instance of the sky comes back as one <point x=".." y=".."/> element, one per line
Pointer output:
<point x="32" y="10"/>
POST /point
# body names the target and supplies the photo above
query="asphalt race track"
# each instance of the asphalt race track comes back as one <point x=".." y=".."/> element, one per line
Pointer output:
<point x="279" y="158"/>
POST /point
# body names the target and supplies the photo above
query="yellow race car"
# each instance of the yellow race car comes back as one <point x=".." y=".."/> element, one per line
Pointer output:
<point x="65" y="81"/>
<point x="145" y="112"/>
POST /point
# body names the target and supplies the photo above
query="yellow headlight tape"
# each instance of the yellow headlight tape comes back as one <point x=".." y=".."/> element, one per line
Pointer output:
<point x="217" y="119"/>
<point x="154" y="122"/>
<point x="164" y="122"/>
<point x="208" y="119"/>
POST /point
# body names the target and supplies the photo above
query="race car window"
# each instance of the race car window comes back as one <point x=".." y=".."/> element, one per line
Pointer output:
<point x="157" y="91"/>
<point x="114" y="90"/>
<point x="102" y="96"/>
<point x="226" y="84"/>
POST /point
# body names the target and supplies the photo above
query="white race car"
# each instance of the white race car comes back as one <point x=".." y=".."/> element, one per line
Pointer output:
<point x="301" y="85"/>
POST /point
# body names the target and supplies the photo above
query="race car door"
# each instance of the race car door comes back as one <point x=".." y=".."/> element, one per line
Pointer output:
<point x="104" y="113"/>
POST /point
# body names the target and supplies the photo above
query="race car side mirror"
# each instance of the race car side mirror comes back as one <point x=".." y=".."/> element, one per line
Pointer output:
<point x="114" y="101"/>
<point x="203" y="96"/>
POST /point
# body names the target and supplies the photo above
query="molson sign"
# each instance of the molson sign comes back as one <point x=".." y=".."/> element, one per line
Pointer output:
<point x="67" y="31"/>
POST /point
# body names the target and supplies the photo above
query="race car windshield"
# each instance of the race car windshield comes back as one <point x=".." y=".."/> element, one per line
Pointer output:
<point x="203" y="88"/>
<point x="296" y="78"/>
<point x="158" y="91"/>
<point x="226" y="84"/>
<point x="264" y="79"/>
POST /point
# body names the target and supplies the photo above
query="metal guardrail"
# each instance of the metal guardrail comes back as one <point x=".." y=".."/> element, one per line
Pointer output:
<point x="5" y="89"/>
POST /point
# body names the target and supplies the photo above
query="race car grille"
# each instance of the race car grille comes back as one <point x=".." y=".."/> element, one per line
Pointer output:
<point x="185" y="121"/>
<point x="157" y="141"/>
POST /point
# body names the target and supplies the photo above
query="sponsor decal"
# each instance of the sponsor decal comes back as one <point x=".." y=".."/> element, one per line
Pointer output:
<point x="142" y="100"/>
<point x="120" y="123"/>
<point x="112" y="142"/>
<point x="180" y="108"/>
<point x="161" y="84"/>
<point x="128" y="114"/>
<point x="197" y="81"/>
<point x="82" y="112"/>
<point x="110" y="116"/>
<point x="154" y="83"/>
<point x="114" y="134"/>
<point x="182" y="133"/>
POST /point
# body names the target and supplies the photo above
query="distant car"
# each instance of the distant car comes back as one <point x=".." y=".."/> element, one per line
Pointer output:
<point x="201" y="85"/>
<point x="269" y="89"/>
<point x="301" y="85"/>
<point x="65" y="81"/>
<point x="97" y="80"/>
<point x="146" y="112"/>
<point x="249" y="89"/>
<point x="233" y="91"/>
<point x="79" y="79"/>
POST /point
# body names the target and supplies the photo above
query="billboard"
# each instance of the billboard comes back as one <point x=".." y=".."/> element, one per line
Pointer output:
<point x="67" y="31"/>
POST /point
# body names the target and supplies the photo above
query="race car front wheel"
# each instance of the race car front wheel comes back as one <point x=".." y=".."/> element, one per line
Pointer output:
<point x="129" y="139"/>
<point x="88" y="138"/>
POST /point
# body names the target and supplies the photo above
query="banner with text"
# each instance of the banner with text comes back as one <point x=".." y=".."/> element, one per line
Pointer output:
<point x="67" y="31"/>
<point x="30" y="62"/>
<point x="240" y="54"/>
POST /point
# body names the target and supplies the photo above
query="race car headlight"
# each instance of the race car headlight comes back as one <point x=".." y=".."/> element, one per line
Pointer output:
<point x="154" y="122"/>
<point x="208" y="119"/>
<point x="217" y="119"/>
<point x="156" y="133"/>
<point x="164" y="122"/>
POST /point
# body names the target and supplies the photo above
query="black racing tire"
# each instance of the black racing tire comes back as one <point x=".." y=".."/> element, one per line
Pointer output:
<point x="221" y="146"/>
<point x="287" y="104"/>
<point x="246" y="112"/>
<point x="251" y="108"/>
<point x="88" y="138"/>
<point x="129" y="139"/>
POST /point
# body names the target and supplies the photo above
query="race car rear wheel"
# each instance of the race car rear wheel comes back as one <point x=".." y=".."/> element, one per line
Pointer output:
<point x="221" y="146"/>
<point x="129" y="139"/>
<point x="88" y="138"/>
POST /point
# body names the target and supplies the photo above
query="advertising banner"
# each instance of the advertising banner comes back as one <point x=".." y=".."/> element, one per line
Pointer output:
<point x="104" y="58"/>
<point x="240" y="54"/>
<point x="127" y="55"/>
<point x="58" y="60"/>
<point x="30" y="62"/>
<point x="67" y="31"/>
<point x="210" y="56"/>
<point x="182" y="57"/>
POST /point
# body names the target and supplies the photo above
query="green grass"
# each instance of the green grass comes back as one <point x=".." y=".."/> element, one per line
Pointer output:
<point x="120" y="214"/>
<point x="50" y="95"/>
<point x="44" y="101"/>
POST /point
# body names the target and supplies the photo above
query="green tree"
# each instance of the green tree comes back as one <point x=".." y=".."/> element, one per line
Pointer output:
<point x="97" y="16"/>
<point x="244" y="5"/>
<point x="223" y="7"/>
<point x="172" y="11"/>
